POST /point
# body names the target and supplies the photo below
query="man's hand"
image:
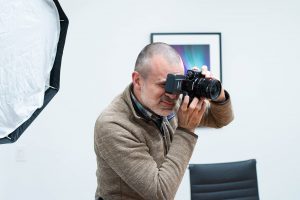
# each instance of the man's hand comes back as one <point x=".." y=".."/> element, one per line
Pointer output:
<point x="189" y="116"/>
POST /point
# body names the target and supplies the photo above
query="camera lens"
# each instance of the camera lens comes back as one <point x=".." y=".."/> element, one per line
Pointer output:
<point x="208" y="88"/>
<point x="214" y="89"/>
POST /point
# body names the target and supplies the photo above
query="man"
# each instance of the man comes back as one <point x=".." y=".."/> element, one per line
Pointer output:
<point x="145" y="138"/>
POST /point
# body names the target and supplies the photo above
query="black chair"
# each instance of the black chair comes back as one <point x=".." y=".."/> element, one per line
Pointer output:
<point x="233" y="180"/>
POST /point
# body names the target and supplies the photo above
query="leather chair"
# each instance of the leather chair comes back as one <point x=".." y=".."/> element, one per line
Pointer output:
<point x="232" y="180"/>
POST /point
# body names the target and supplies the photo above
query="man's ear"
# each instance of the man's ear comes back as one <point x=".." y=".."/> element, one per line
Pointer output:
<point x="136" y="80"/>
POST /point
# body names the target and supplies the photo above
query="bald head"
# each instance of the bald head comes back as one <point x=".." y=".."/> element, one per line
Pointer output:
<point x="144" y="60"/>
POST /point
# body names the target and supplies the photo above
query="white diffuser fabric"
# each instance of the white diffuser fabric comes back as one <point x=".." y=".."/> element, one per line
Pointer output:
<point x="29" y="33"/>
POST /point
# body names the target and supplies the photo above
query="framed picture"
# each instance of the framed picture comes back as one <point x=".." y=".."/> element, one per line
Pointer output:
<point x="195" y="49"/>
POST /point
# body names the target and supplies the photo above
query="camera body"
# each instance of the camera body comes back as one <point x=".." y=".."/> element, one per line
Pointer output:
<point x="193" y="84"/>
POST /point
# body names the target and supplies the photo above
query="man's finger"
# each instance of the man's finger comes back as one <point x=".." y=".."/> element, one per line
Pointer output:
<point x="193" y="104"/>
<point x="204" y="69"/>
<point x="208" y="74"/>
<point x="185" y="103"/>
<point x="203" y="107"/>
<point x="199" y="105"/>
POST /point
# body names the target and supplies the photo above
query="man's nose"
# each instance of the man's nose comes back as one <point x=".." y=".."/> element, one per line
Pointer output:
<point x="172" y="96"/>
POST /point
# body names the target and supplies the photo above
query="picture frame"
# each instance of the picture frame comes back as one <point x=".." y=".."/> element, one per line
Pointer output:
<point x="195" y="49"/>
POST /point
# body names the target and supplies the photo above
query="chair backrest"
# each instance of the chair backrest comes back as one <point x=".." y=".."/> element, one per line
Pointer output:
<point x="233" y="180"/>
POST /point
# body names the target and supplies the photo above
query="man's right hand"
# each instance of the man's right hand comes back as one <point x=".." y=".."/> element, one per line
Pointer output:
<point x="189" y="116"/>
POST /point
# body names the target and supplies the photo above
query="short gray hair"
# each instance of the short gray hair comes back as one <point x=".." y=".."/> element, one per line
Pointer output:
<point x="143" y="61"/>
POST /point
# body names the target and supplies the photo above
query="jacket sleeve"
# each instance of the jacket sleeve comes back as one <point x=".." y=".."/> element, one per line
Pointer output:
<point x="217" y="114"/>
<point x="129" y="157"/>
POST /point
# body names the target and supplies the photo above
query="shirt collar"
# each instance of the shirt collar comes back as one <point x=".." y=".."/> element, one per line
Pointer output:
<point x="146" y="113"/>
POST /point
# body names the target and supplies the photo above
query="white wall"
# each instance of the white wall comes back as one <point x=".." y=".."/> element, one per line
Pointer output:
<point x="54" y="159"/>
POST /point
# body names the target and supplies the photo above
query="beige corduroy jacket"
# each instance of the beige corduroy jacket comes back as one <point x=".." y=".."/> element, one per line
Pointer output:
<point x="131" y="159"/>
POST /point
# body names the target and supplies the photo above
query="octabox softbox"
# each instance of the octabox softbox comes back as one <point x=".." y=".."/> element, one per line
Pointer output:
<point x="32" y="37"/>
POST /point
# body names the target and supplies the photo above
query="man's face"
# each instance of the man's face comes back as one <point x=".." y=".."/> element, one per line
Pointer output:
<point x="151" y="92"/>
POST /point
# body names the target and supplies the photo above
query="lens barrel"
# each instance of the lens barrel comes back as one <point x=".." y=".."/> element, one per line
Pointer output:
<point x="208" y="88"/>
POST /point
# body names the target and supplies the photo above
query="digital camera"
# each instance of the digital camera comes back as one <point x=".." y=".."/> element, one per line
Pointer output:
<point x="193" y="84"/>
